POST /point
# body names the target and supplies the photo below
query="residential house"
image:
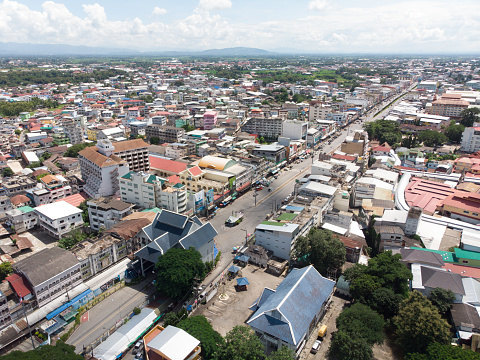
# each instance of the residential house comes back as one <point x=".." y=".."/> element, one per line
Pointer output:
<point x="104" y="213"/>
<point x="277" y="237"/>
<point x="22" y="219"/>
<point x="171" y="343"/>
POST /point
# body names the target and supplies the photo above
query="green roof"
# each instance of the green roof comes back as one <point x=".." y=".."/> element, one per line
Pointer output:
<point x="447" y="256"/>
<point x="153" y="178"/>
<point x="26" y="209"/>
<point x="127" y="176"/>
<point x="286" y="217"/>
<point x="155" y="210"/>
<point x="274" y="223"/>
<point x="465" y="254"/>
<point x="178" y="186"/>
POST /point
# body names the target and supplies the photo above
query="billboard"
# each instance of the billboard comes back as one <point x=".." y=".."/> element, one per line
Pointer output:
<point x="200" y="200"/>
<point x="231" y="182"/>
<point x="210" y="196"/>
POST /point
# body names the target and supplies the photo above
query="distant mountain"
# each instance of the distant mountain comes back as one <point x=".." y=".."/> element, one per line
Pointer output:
<point x="12" y="49"/>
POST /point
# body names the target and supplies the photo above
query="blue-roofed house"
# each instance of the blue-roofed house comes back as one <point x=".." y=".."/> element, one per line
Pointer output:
<point x="288" y="315"/>
<point x="170" y="229"/>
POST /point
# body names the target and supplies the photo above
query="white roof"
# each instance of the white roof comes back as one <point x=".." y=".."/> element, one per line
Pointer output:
<point x="58" y="210"/>
<point x="383" y="174"/>
<point x="31" y="156"/>
<point x="394" y="216"/>
<point x="174" y="343"/>
<point x="377" y="182"/>
<point x="313" y="186"/>
<point x="335" y="228"/>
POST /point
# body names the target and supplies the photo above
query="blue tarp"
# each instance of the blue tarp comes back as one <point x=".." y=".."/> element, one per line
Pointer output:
<point x="234" y="269"/>
<point x="294" y="208"/>
<point x="67" y="305"/>
<point x="243" y="258"/>
<point x="60" y="323"/>
<point x="215" y="251"/>
<point x="242" y="281"/>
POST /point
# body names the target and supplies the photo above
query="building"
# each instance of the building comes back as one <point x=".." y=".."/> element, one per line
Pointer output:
<point x="471" y="140"/>
<point x="318" y="110"/>
<point x="17" y="184"/>
<point x="5" y="316"/>
<point x="274" y="153"/>
<point x="141" y="189"/>
<point x="104" y="213"/>
<point x="294" y="130"/>
<point x="209" y="120"/>
<point x="356" y="144"/>
<point x="52" y="190"/>
<point x="51" y="272"/>
<point x="169" y="230"/>
<point x="269" y="128"/>
<point x="5" y="203"/>
<point x="134" y="152"/>
<point x="171" y="343"/>
<point x="464" y="206"/>
<point x="277" y="237"/>
<point x="289" y="314"/>
<point x="390" y="236"/>
<point x="100" y="169"/>
<point x="74" y="132"/>
<point x="165" y="134"/>
<point x="448" y="105"/>
<point x="59" y="218"/>
<point x="371" y="188"/>
<point x="22" y="219"/>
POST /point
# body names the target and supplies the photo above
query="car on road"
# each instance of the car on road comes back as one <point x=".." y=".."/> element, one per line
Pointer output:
<point x="316" y="346"/>
<point x="138" y="347"/>
<point x="258" y="188"/>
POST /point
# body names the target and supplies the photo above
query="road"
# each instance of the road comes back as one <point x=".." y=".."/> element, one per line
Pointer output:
<point x="106" y="313"/>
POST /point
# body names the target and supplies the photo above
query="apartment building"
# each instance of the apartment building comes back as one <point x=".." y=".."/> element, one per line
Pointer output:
<point x="134" y="152"/>
<point x="22" y="219"/>
<point x="278" y="237"/>
<point x="53" y="189"/>
<point x="74" y="132"/>
<point x="100" y="169"/>
<point x="166" y="134"/>
<point x="51" y="272"/>
<point x="294" y="130"/>
<point x="5" y="316"/>
<point x="59" y="218"/>
<point x="269" y="128"/>
<point x="5" y="203"/>
<point x="274" y="153"/>
<point x="17" y="184"/>
<point x="209" y="120"/>
<point x="104" y="213"/>
<point x="318" y="110"/>
<point x="471" y="139"/>
<point x="448" y="105"/>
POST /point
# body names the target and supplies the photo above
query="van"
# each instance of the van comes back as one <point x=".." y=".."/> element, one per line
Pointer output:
<point x="322" y="332"/>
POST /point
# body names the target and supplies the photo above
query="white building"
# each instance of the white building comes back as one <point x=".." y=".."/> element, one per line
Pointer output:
<point x="59" y="218"/>
<point x="371" y="188"/>
<point x="277" y="237"/>
<point x="22" y="219"/>
<point x="471" y="139"/>
<point x="105" y="213"/>
<point x="318" y="110"/>
<point x="294" y="130"/>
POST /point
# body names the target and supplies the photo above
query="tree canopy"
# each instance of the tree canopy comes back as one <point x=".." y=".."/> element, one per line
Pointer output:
<point x="360" y="319"/>
<point x="469" y="116"/>
<point x="282" y="353"/>
<point x="436" y="351"/>
<point x="177" y="270"/>
<point x="75" y="149"/>
<point x="240" y="343"/>
<point x="347" y="346"/>
<point x="419" y="324"/>
<point x="385" y="302"/>
<point x="321" y="249"/>
<point x="5" y="270"/>
<point x="384" y="131"/>
<point x="454" y="132"/>
<point x="432" y="138"/>
<point x="201" y="329"/>
<point x="6" y="172"/>
<point x="154" y="140"/>
<point x="442" y="299"/>
<point x="60" y="351"/>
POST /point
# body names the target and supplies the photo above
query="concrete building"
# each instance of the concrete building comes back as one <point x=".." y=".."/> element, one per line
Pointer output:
<point x="294" y="130"/>
<point x="22" y="219"/>
<point x="100" y="169"/>
<point x="269" y="128"/>
<point x="134" y="152"/>
<point x="74" y="131"/>
<point x="318" y="110"/>
<point x="448" y="105"/>
<point x="274" y="153"/>
<point x="59" y="218"/>
<point x="356" y="144"/>
<point x="209" y="120"/>
<point x="52" y="190"/>
<point x="51" y="272"/>
<point x="390" y="236"/>
<point x="370" y="188"/>
<point x="104" y="213"/>
<point x="277" y="237"/>
<point x="17" y="184"/>
<point x="166" y="134"/>
<point x="471" y="139"/>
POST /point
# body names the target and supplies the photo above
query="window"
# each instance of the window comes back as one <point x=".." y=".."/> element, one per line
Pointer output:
<point x="465" y="211"/>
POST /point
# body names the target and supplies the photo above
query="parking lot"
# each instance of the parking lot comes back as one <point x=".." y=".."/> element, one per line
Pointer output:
<point x="232" y="309"/>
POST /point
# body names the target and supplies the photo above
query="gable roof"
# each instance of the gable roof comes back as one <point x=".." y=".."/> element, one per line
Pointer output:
<point x="444" y="279"/>
<point x="174" y="343"/>
<point x="91" y="153"/>
<point x="195" y="170"/>
<point x="421" y="257"/>
<point x="19" y="285"/>
<point x="126" y="145"/>
<point x="281" y="316"/>
<point x="167" y="165"/>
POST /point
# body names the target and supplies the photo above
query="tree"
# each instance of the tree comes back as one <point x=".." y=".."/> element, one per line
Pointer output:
<point x="60" y="351"/>
<point x="46" y="155"/>
<point x="436" y="351"/>
<point x="154" y="140"/>
<point x="240" y="343"/>
<point x="469" y="116"/>
<point x="283" y="353"/>
<point x="419" y="324"/>
<point x="201" y="329"/>
<point x="177" y="270"/>
<point x="188" y="127"/>
<point x="384" y="131"/>
<point x="454" y="132"/>
<point x="84" y="207"/>
<point x="173" y="318"/>
<point x="75" y="149"/>
<point x="72" y="239"/>
<point x="321" y="249"/>
<point x="178" y="83"/>
<point x="6" y="172"/>
<point x="360" y="319"/>
<point x="385" y="302"/>
<point x="441" y="299"/>
<point x="5" y="270"/>
<point x="432" y="138"/>
<point x="18" y="132"/>
<point x="346" y="346"/>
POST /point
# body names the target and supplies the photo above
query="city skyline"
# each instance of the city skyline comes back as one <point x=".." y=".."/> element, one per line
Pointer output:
<point x="316" y="26"/>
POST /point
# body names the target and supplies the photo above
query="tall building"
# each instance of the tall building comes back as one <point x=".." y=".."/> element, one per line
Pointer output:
<point x="269" y="128"/>
<point x="74" y="131"/>
<point x="134" y="152"/>
<point x="169" y="134"/>
<point x="448" y="105"/>
<point x="471" y="139"/>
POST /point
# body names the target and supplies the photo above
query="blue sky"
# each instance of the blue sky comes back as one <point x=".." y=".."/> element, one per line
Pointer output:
<point x="323" y="26"/>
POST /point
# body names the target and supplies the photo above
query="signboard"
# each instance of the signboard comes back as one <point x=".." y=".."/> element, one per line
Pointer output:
<point x="210" y="196"/>
<point x="200" y="200"/>
<point x="232" y="183"/>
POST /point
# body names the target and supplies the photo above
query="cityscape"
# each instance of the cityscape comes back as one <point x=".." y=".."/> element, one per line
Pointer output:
<point x="185" y="182"/>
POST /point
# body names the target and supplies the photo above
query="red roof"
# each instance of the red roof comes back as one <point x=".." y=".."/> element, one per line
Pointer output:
<point x="469" y="271"/>
<point x="174" y="179"/>
<point x="75" y="199"/>
<point x="167" y="165"/>
<point x="19" y="199"/>
<point x="343" y="157"/>
<point x="195" y="170"/>
<point x="463" y="200"/>
<point x="381" y="148"/>
<point x="19" y="284"/>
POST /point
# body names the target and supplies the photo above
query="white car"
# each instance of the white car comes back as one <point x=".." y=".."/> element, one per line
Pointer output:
<point x="316" y="346"/>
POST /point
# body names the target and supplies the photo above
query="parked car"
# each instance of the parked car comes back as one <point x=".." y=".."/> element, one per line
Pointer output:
<point x="138" y="347"/>
<point x="259" y="188"/>
<point x="316" y="346"/>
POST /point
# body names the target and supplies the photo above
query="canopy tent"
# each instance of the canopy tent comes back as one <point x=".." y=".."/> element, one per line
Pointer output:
<point x="242" y="281"/>
<point x="233" y="269"/>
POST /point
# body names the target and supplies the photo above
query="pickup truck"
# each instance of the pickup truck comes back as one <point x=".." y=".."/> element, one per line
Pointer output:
<point x="234" y="220"/>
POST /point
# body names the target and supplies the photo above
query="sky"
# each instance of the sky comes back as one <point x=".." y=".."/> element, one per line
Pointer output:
<point x="310" y="26"/>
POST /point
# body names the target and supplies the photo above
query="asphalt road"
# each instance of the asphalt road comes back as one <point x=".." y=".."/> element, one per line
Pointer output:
<point x="108" y="312"/>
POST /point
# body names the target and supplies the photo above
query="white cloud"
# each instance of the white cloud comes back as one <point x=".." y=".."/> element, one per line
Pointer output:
<point x="215" y="4"/>
<point x="159" y="11"/>
<point x="318" y="5"/>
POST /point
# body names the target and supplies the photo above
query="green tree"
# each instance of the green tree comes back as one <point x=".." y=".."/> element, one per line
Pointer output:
<point x="177" y="270"/>
<point x="454" y="132"/>
<point x="283" y="353"/>
<point x="442" y="299"/>
<point x="6" y="172"/>
<point x="71" y="239"/>
<point x="5" y="270"/>
<point x="188" y="127"/>
<point x="173" y="318"/>
<point x="46" y="155"/>
<point x="240" y="343"/>
<point x="347" y="346"/>
<point x="84" y="207"/>
<point x="178" y="83"/>
<point x="154" y="140"/>
<point x="60" y="351"/>
<point x="469" y="116"/>
<point x="360" y="319"/>
<point x="419" y="324"/>
<point x="385" y="302"/>
<point x="384" y="131"/>
<point x="436" y="351"/>
<point x="321" y="249"/>
<point x="432" y="138"/>
<point x="201" y="329"/>
<point x="75" y="149"/>
<point x="18" y="132"/>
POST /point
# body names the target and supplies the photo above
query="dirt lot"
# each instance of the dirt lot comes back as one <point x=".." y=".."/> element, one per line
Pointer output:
<point x="233" y="310"/>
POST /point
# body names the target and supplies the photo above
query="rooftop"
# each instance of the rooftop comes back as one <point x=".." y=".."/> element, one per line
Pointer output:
<point x="57" y="210"/>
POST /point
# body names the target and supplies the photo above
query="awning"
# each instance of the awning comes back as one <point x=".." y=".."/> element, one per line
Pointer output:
<point x="233" y="269"/>
<point x="243" y="258"/>
<point x="242" y="281"/>
<point x="244" y="187"/>
<point x="67" y="305"/>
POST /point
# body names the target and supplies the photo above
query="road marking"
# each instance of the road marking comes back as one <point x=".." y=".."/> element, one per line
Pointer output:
<point x="85" y="317"/>
<point x="104" y="321"/>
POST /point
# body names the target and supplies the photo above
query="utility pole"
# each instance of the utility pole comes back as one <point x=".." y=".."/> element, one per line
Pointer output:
<point x="26" y="319"/>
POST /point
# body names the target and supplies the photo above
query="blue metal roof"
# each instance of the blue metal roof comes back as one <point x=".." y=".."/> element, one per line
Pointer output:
<point x="294" y="208"/>
<point x="243" y="258"/>
<point x="281" y="316"/>
<point x="67" y="305"/>
<point x="242" y="281"/>
<point x="234" y="269"/>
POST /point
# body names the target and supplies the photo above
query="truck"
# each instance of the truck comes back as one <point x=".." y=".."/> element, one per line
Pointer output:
<point x="234" y="220"/>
